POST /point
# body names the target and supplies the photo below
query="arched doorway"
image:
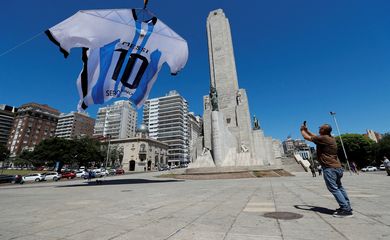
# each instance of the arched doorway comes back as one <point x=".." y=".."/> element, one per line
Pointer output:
<point x="132" y="165"/>
<point x="149" y="165"/>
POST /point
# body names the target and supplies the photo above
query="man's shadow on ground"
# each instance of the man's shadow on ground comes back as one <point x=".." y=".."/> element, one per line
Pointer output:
<point x="100" y="182"/>
<point x="315" y="209"/>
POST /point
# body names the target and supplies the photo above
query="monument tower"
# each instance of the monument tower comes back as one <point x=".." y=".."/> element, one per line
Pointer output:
<point x="228" y="132"/>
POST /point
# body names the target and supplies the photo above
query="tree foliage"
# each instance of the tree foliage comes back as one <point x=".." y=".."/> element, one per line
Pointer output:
<point x="24" y="159"/>
<point x="81" y="152"/>
<point x="4" y="153"/>
<point x="383" y="147"/>
<point x="360" y="149"/>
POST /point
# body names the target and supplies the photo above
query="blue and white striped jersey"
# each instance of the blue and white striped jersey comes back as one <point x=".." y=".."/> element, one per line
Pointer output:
<point x="122" y="55"/>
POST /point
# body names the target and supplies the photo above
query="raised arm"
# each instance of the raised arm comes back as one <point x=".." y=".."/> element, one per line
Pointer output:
<point x="306" y="134"/>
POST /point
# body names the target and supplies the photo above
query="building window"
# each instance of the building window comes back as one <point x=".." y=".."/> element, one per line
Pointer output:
<point x="142" y="148"/>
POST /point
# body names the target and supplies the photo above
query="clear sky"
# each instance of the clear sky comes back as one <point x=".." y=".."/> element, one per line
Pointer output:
<point x="297" y="60"/>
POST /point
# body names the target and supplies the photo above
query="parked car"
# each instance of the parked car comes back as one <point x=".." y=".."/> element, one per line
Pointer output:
<point x="163" y="168"/>
<point x="52" y="176"/>
<point x="119" y="171"/>
<point x="89" y="174"/>
<point x="112" y="172"/>
<point x="37" y="177"/>
<point x="6" y="178"/>
<point x="99" y="173"/>
<point x="40" y="168"/>
<point x="382" y="167"/>
<point x="369" y="169"/>
<point x="68" y="175"/>
<point x="81" y="173"/>
<point x="11" y="179"/>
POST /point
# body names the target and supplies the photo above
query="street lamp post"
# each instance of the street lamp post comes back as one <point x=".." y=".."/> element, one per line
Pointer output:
<point x="341" y="140"/>
<point x="108" y="149"/>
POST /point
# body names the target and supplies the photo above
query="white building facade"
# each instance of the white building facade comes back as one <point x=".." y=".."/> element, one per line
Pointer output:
<point x="119" y="121"/>
<point x="167" y="120"/>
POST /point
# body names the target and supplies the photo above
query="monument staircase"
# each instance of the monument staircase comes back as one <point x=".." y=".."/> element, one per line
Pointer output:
<point x="291" y="165"/>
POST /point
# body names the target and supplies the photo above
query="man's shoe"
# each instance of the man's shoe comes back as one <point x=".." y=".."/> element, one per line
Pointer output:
<point x="340" y="209"/>
<point x="343" y="214"/>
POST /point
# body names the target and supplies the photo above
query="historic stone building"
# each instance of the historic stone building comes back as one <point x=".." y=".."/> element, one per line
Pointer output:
<point x="33" y="123"/>
<point x="141" y="153"/>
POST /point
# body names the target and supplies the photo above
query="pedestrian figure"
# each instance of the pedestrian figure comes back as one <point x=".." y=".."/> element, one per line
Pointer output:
<point x="89" y="175"/>
<point x="386" y="163"/>
<point x="354" y="168"/>
<point x="319" y="168"/>
<point x="333" y="172"/>
<point x="313" y="171"/>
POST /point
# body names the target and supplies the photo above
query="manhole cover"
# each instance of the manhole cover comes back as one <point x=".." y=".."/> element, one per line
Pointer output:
<point x="283" y="215"/>
<point x="126" y="191"/>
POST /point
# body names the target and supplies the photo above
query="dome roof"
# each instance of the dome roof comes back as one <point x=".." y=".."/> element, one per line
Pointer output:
<point x="143" y="128"/>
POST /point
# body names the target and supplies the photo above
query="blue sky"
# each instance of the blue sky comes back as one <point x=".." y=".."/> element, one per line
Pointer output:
<point x="298" y="60"/>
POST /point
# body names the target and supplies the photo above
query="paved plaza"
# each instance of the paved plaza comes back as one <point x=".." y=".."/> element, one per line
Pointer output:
<point x="141" y="206"/>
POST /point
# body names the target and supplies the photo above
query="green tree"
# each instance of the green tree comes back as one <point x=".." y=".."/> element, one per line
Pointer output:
<point x="81" y="152"/>
<point x="25" y="159"/>
<point x="87" y="151"/>
<point x="53" y="150"/>
<point x="383" y="147"/>
<point x="4" y="153"/>
<point x="360" y="149"/>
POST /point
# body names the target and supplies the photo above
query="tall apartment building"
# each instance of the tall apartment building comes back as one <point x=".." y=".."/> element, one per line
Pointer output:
<point x="33" y="123"/>
<point x="7" y="115"/>
<point x="167" y="118"/>
<point x="195" y="128"/>
<point x="119" y="121"/>
<point x="74" y="124"/>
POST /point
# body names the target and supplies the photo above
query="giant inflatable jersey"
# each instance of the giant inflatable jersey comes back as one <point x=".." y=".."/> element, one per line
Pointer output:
<point x="121" y="54"/>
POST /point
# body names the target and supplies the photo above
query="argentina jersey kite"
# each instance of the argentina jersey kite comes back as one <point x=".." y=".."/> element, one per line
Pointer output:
<point x="121" y="54"/>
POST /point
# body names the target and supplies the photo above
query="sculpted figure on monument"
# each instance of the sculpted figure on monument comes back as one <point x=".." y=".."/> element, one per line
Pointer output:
<point x="214" y="99"/>
<point x="205" y="150"/>
<point x="244" y="148"/>
<point x="256" y="123"/>
<point x="238" y="97"/>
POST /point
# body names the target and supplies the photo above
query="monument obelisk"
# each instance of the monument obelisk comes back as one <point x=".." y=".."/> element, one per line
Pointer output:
<point x="228" y="132"/>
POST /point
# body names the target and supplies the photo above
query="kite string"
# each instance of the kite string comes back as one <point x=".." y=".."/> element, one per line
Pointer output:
<point x="20" y="44"/>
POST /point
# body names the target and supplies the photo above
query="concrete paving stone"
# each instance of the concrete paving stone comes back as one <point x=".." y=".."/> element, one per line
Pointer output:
<point x="198" y="235"/>
<point x="252" y="237"/>
<point x="153" y="208"/>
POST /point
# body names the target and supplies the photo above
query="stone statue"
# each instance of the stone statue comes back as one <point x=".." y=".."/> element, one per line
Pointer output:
<point x="255" y="123"/>
<point x="214" y="99"/>
<point x="238" y="97"/>
<point x="244" y="148"/>
<point x="205" y="150"/>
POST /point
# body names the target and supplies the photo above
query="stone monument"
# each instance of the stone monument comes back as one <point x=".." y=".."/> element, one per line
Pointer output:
<point x="228" y="132"/>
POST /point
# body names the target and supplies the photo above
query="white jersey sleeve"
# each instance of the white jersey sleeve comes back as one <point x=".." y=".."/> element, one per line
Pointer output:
<point x="90" y="29"/>
<point x="175" y="47"/>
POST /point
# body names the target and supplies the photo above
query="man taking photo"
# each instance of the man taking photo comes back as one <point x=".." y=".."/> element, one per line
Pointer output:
<point x="331" y="166"/>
